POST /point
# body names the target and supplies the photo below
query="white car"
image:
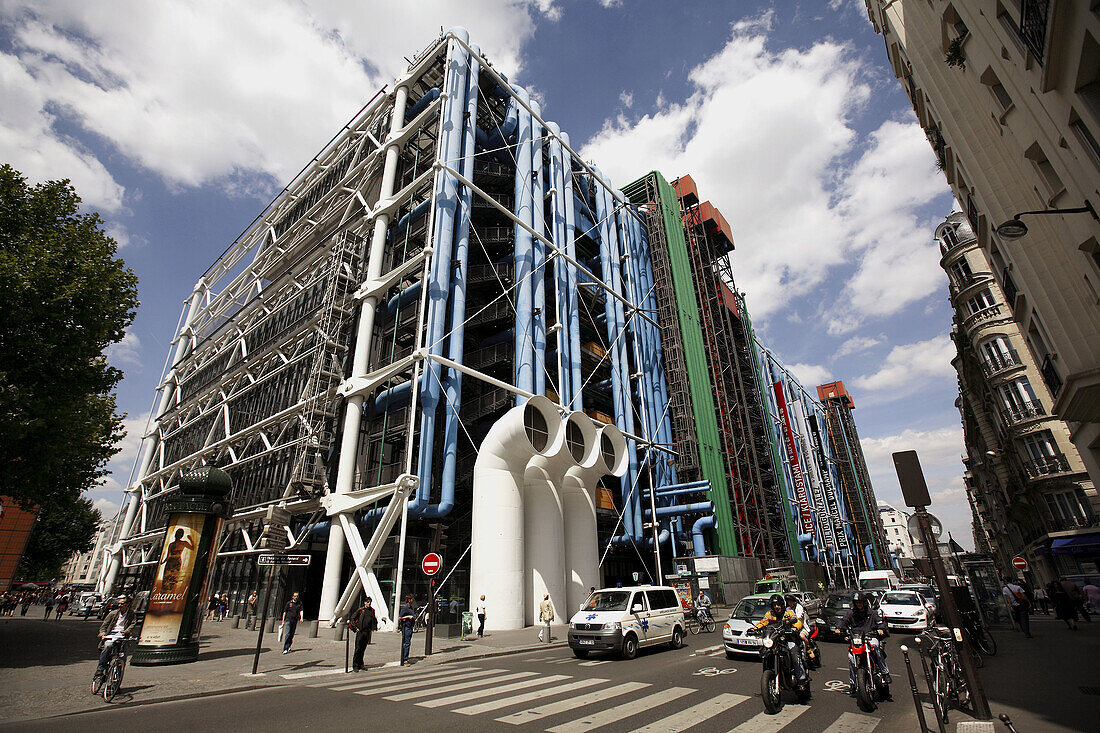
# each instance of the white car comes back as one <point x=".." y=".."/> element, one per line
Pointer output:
<point x="926" y="592"/>
<point x="905" y="610"/>
<point x="748" y="611"/>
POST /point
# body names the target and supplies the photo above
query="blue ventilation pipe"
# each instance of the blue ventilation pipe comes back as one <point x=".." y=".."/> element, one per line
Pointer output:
<point x="698" y="542"/>
<point x="571" y="294"/>
<point x="538" y="223"/>
<point x="561" y="274"/>
<point x="675" y="511"/>
<point x="422" y="104"/>
<point x="524" y="253"/>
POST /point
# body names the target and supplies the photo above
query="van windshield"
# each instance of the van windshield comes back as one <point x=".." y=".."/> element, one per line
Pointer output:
<point x="870" y="583"/>
<point x="607" y="600"/>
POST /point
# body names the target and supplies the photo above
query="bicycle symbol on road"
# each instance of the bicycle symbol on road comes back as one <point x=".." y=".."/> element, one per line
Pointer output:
<point x="836" y="686"/>
<point x="712" y="672"/>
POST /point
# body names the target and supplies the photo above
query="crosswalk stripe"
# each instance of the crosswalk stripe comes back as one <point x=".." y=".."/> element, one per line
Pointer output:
<point x="387" y="688"/>
<point x="594" y="663"/>
<point x="617" y="713"/>
<point x="467" y="696"/>
<point x="372" y="678"/>
<point x="507" y="702"/>
<point x="465" y="685"/>
<point x="694" y="715"/>
<point x="387" y="679"/>
<point x="853" y="723"/>
<point x="567" y="660"/>
<point x="572" y="703"/>
<point x="764" y="723"/>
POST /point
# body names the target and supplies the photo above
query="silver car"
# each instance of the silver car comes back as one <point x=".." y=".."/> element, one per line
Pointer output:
<point x="748" y="611"/>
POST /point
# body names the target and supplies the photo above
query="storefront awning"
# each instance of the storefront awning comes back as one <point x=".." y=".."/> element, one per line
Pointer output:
<point x="1087" y="544"/>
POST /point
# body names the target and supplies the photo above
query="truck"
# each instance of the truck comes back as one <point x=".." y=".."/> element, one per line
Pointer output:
<point x="878" y="580"/>
<point x="777" y="580"/>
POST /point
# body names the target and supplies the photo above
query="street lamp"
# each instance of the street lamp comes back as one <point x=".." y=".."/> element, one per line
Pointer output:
<point x="1014" y="228"/>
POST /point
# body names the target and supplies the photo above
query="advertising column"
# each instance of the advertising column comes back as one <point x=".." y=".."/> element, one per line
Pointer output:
<point x="170" y="632"/>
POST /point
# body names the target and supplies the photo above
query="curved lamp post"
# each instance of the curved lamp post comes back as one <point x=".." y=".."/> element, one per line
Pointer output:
<point x="1014" y="228"/>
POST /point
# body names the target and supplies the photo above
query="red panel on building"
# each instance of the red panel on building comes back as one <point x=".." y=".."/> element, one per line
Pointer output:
<point x="836" y="391"/>
<point x="729" y="299"/>
<point x="715" y="225"/>
<point x="686" y="190"/>
<point x="15" y="530"/>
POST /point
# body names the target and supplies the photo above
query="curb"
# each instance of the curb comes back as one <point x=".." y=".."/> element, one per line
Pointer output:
<point x="506" y="652"/>
<point x="109" y="707"/>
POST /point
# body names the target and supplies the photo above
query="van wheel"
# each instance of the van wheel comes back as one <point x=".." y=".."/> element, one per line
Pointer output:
<point x="630" y="647"/>
<point x="677" y="638"/>
<point x="580" y="653"/>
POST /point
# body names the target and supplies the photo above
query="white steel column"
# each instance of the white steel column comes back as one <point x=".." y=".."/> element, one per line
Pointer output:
<point x="168" y="389"/>
<point x="349" y="443"/>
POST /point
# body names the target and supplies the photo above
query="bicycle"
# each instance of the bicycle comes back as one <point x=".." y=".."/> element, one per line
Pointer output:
<point x="691" y="623"/>
<point x="110" y="681"/>
<point x="705" y="620"/>
<point x="978" y="634"/>
<point x="949" y="688"/>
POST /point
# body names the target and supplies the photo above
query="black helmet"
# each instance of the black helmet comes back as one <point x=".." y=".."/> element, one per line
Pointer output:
<point x="776" y="599"/>
<point x="857" y="597"/>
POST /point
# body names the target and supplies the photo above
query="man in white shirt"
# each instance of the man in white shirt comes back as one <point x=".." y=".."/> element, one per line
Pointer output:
<point x="479" y="609"/>
<point x="1017" y="601"/>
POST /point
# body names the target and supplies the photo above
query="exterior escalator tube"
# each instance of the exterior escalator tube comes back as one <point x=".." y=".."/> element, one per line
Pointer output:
<point x="524" y="253"/>
<point x="439" y="283"/>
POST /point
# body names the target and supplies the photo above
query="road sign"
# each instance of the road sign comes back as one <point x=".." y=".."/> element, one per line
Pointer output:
<point x="431" y="563"/>
<point x="1019" y="563"/>
<point x="933" y="522"/>
<point x="281" y="559"/>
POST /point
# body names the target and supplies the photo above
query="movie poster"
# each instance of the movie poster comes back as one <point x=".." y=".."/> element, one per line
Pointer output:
<point x="174" y="576"/>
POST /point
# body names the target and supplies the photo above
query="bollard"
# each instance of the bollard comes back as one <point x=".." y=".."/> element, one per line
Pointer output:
<point x="931" y="692"/>
<point x="913" y="688"/>
<point x="311" y="629"/>
<point x="237" y="621"/>
<point x="338" y="632"/>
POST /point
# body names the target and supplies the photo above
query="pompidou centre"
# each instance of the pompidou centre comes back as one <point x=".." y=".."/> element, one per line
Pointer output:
<point x="451" y="334"/>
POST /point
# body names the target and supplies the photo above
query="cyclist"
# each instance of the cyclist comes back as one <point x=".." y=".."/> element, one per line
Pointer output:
<point x="120" y="621"/>
<point x="799" y="610"/>
<point x="780" y="613"/>
<point x="861" y="618"/>
<point x="702" y="606"/>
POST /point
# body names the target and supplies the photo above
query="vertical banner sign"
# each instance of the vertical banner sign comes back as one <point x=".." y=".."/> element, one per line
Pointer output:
<point x="805" y="519"/>
<point x="813" y="474"/>
<point x="826" y="479"/>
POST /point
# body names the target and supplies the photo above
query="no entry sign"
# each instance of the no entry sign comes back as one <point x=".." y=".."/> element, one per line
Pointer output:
<point x="1019" y="563"/>
<point x="431" y="563"/>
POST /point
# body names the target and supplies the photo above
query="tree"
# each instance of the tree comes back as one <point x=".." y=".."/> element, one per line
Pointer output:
<point x="61" y="531"/>
<point x="64" y="298"/>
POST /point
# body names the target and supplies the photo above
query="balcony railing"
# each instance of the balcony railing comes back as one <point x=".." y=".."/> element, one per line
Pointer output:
<point x="1050" y="376"/>
<point x="1033" y="26"/>
<point x="996" y="364"/>
<point x="1024" y="411"/>
<point x="983" y="315"/>
<point x="1047" y="466"/>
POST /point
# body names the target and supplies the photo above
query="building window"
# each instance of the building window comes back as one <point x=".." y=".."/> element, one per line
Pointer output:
<point x="961" y="273"/>
<point x="1085" y="137"/>
<point x="1088" y="74"/>
<point x="950" y="238"/>
<point x="997" y="354"/>
<point x="1068" y="509"/>
<point x="980" y="302"/>
<point x="1019" y="401"/>
<point x="1000" y="94"/>
<point x="1033" y="26"/>
<point x="1050" y="177"/>
<point x="1008" y="20"/>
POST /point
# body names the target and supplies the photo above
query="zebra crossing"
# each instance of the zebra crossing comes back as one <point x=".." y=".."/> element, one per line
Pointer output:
<point x="565" y="703"/>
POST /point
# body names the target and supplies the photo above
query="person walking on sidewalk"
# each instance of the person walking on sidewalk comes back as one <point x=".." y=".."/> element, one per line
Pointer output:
<point x="250" y="608"/>
<point x="406" y="617"/>
<point x="49" y="606"/>
<point x="363" y="622"/>
<point x="292" y="614"/>
<point x="1063" y="604"/>
<point x="1017" y="601"/>
<point x="480" y="609"/>
<point x="62" y="606"/>
<point x="546" y="615"/>
<point x="1042" y="599"/>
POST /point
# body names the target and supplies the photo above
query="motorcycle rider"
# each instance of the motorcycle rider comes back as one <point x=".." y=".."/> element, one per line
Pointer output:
<point x="863" y="619"/>
<point x="799" y="610"/>
<point x="779" y="613"/>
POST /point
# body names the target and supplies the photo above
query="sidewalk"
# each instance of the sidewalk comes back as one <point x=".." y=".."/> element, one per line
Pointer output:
<point x="46" y="666"/>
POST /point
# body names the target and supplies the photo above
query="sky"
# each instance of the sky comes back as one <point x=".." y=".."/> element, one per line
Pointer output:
<point x="178" y="122"/>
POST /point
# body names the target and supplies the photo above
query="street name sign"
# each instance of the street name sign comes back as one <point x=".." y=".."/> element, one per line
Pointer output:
<point x="281" y="559"/>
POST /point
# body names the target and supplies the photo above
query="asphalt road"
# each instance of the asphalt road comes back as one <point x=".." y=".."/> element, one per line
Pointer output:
<point x="694" y="688"/>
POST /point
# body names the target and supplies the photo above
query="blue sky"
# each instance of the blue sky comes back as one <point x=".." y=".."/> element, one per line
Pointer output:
<point x="178" y="122"/>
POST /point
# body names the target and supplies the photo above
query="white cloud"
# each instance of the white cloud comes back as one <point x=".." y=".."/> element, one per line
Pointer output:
<point x="611" y="4"/>
<point x="626" y="98"/>
<point x="204" y="91"/>
<point x="107" y="508"/>
<point x="909" y="366"/>
<point x="856" y="344"/>
<point x="810" y="375"/>
<point x="123" y="462"/>
<point x="934" y="447"/>
<point x="768" y="136"/>
<point x="126" y="352"/>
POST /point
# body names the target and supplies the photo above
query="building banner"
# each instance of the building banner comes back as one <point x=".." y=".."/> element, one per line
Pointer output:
<point x="175" y="576"/>
<point x="831" y="505"/>
<point x="805" y="518"/>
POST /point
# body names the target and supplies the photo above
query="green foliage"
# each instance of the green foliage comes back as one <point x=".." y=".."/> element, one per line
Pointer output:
<point x="64" y="297"/>
<point x="61" y="530"/>
<point x="955" y="56"/>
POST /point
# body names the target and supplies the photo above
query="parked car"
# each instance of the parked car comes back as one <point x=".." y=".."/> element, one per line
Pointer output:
<point x="746" y="613"/>
<point x="82" y="602"/>
<point x="906" y="610"/>
<point x="927" y="592"/>
<point x="625" y="619"/>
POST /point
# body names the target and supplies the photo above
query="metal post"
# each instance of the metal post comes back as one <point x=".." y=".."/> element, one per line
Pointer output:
<point x="429" y="611"/>
<point x="263" y="621"/>
<point x="931" y="692"/>
<point x="347" y="647"/>
<point x="951" y="612"/>
<point x="913" y="688"/>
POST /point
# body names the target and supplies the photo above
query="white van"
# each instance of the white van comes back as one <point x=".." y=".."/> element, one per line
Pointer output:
<point x="878" y="580"/>
<point x="624" y="619"/>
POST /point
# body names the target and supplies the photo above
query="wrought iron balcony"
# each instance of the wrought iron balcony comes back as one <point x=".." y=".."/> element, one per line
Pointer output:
<point x="1009" y="287"/>
<point x="1050" y="376"/>
<point x="995" y="365"/>
<point x="1024" y="411"/>
<point x="1047" y="466"/>
<point x="1033" y="26"/>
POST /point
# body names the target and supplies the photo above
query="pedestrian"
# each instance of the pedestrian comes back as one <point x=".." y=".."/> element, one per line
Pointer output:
<point x="480" y="610"/>
<point x="1079" y="599"/>
<point x="406" y="617"/>
<point x="62" y="606"/>
<point x="1092" y="595"/>
<point x="1064" y="608"/>
<point x="223" y="607"/>
<point x="49" y="606"/>
<point x="1017" y="601"/>
<point x="362" y="623"/>
<point x="1042" y="599"/>
<point x="292" y="614"/>
<point x="212" y="607"/>
<point x="546" y="615"/>
<point x="25" y="605"/>
<point x="250" y="606"/>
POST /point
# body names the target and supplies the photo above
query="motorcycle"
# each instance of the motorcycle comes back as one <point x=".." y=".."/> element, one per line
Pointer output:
<point x="811" y="655"/>
<point x="872" y="683"/>
<point x="778" y="673"/>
